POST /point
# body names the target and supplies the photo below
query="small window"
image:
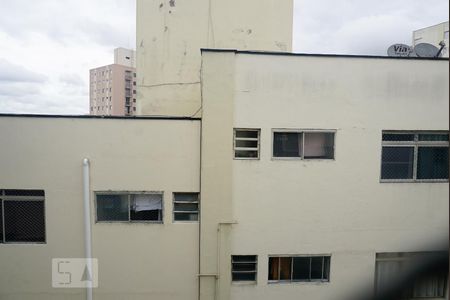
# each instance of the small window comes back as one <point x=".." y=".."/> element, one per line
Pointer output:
<point x="185" y="207"/>
<point x="414" y="156"/>
<point x="303" y="144"/>
<point x="22" y="216"/>
<point x="243" y="267"/>
<point x="299" y="268"/>
<point x="246" y="143"/>
<point x="129" y="207"/>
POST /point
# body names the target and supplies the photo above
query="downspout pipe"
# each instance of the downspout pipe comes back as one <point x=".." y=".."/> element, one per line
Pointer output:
<point x="87" y="224"/>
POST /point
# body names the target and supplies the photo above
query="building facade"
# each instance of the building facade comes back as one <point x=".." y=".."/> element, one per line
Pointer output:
<point x="297" y="181"/>
<point x="112" y="88"/>
<point x="433" y="35"/>
<point x="254" y="175"/>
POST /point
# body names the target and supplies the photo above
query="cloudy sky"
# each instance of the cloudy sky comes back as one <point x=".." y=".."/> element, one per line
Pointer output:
<point x="48" y="46"/>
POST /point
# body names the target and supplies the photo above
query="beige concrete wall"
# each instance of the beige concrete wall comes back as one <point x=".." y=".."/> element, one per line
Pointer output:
<point x="216" y="177"/>
<point x="170" y="34"/>
<point x="136" y="261"/>
<point x="336" y="207"/>
<point x="433" y="35"/>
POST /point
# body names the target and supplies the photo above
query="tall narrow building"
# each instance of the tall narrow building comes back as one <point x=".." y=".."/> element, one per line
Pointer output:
<point x="113" y="87"/>
<point x="170" y="34"/>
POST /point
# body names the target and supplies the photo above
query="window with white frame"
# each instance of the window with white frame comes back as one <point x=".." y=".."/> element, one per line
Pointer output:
<point x="246" y="143"/>
<point x="409" y="270"/>
<point x="185" y="207"/>
<point x="129" y="207"/>
<point x="244" y="267"/>
<point x="303" y="144"/>
<point x="22" y="216"/>
<point x="414" y="156"/>
<point x="299" y="268"/>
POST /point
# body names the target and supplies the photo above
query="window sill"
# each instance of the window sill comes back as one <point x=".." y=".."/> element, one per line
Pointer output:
<point x="413" y="181"/>
<point x="243" y="282"/>
<point x="298" y="282"/>
<point x="302" y="159"/>
<point x="246" y="158"/>
<point x="129" y="222"/>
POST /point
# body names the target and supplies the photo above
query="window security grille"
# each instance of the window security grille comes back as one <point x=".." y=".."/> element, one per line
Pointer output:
<point x="22" y="216"/>
<point x="414" y="156"/>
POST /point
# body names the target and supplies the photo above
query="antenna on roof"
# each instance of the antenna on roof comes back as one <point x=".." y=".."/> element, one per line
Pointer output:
<point x="420" y="50"/>
<point x="427" y="50"/>
<point x="399" y="50"/>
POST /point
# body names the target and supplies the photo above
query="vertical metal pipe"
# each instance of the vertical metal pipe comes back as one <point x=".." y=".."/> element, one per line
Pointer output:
<point x="87" y="224"/>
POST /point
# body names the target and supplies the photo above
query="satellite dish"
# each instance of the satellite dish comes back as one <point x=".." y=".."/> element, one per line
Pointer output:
<point x="426" y="50"/>
<point x="399" y="50"/>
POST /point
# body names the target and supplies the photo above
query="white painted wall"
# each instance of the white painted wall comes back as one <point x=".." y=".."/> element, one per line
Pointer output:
<point x="136" y="261"/>
<point x="336" y="207"/>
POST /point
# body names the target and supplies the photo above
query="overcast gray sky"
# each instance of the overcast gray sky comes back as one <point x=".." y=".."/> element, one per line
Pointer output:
<point x="48" y="46"/>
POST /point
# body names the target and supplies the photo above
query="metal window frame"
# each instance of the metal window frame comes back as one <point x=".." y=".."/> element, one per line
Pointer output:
<point x="190" y="212"/>
<point x="302" y="132"/>
<point x="246" y="272"/>
<point x="4" y="198"/>
<point x="310" y="256"/>
<point x="257" y="139"/>
<point x="415" y="144"/>
<point x="128" y="194"/>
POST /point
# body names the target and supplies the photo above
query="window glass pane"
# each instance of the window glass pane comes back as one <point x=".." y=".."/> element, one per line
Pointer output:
<point x="246" y="133"/>
<point x="432" y="286"/>
<point x="397" y="162"/>
<point x="273" y="268"/>
<point x="243" y="258"/>
<point x="319" y="145"/>
<point x="112" y="208"/>
<point x="432" y="163"/>
<point x="316" y="267"/>
<point x="246" y="144"/>
<point x="398" y="137"/>
<point x="1" y="221"/>
<point x="326" y="268"/>
<point x="186" y="216"/>
<point x="246" y="154"/>
<point x="185" y="207"/>
<point x="287" y="144"/>
<point x="244" y="267"/>
<point x="301" y="268"/>
<point x="24" y="221"/>
<point x="285" y="268"/>
<point x="433" y="137"/>
<point x="146" y="207"/>
<point x="237" y="276"/>
<point x="186" y="196"/>
<point x="39" y="193"/>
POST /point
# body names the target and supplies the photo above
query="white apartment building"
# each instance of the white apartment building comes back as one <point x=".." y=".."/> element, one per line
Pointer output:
<point x="264" y="174"/>
<point x="112" y="88"/>
<point x="433" y="35"/>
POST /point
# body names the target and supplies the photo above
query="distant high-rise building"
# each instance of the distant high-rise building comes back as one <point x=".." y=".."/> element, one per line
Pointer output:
<point x="113" y="87"/>
<point x="433" y="35"/>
